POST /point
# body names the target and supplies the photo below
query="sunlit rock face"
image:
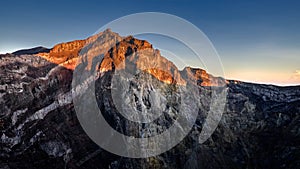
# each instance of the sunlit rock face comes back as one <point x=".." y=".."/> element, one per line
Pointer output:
<point x="67" y="54"/>
<point x="138" y="55"/>
<point x="115" y="57"/>
<point x="202" y="77"/>
<point x="39" y="127"/>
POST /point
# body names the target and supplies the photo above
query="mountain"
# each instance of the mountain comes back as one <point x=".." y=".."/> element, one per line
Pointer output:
<point x="31" y="51"/>
<point x="40" y="128"/>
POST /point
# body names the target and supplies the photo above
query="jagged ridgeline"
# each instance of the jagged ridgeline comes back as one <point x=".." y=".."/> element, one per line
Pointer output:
<point x="39" y="127"/>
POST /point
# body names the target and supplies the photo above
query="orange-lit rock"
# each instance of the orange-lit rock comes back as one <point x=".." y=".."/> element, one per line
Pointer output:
<point x="120" y="53"/>
<point x="201" y="77"/>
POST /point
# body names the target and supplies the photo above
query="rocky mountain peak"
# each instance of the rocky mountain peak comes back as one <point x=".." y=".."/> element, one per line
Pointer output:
<point x="117" y="52"/>
<point x="40" y="128"/>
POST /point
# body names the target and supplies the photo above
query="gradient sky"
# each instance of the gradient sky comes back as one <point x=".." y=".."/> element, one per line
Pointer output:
<point x="258" y="41"/>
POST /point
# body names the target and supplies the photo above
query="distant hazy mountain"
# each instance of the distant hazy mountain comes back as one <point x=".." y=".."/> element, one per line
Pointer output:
<point x="260" y="127"/>
<point x="31" y="51"/>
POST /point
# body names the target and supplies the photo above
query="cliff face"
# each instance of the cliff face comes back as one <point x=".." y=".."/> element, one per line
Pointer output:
<point x="39" y="127"/>
<point x="138" y="55"/>
<point x="67" y="54"/>
<point x="64" y="54"/>
<point x="202" y="77"/>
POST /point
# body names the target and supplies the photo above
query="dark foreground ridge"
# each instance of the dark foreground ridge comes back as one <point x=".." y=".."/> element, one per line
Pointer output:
<point x="39" y="128"/>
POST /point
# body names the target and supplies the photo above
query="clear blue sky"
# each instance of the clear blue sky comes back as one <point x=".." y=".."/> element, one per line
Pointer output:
<point x="257" y="40"/>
